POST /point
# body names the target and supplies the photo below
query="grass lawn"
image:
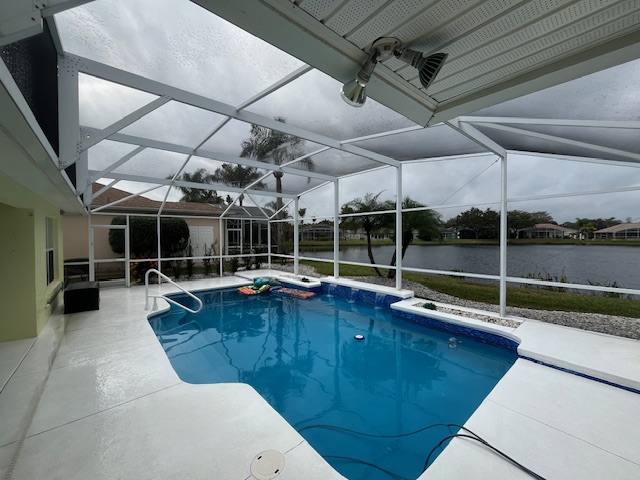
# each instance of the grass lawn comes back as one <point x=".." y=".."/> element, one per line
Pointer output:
<point x="536" y="298"/>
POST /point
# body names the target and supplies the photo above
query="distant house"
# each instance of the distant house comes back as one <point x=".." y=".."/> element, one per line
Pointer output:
<point x="360" y="234"/>
<point x="203" y="223"/>
<point x="448" y="233"/>
<point x="547" y="230"/>
<point x="238" y="228"/>
<point x="623" y="231"/>
<point x="316" y="231"/>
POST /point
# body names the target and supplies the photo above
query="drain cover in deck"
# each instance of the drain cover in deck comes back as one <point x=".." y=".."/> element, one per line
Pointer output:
<point x="267" y="465"/>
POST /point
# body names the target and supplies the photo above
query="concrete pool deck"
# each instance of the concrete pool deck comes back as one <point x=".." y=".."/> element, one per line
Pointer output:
<point x="94" y="396"/>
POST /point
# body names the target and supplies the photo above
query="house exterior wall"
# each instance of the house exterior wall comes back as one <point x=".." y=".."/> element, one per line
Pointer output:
<point x="26" y="297"/>
<point x="76" y="234"/>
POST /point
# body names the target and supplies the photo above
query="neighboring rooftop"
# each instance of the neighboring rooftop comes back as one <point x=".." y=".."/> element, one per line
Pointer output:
<point x="140" y="204"/>
<point x="619" y="228"/>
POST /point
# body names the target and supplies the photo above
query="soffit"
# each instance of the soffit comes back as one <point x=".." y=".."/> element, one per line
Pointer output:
<point x="498" y="49"/>
<point x="24" y="157"/>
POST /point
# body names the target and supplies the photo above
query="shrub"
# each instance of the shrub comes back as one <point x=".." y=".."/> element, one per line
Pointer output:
<point x="189" y="253"/>
<point x="206" y="262"/>
<point x="176" y="265"/>
<point x="144" y="236"/>
<point x="139" y="270"/>
<point x="234" y="264"/>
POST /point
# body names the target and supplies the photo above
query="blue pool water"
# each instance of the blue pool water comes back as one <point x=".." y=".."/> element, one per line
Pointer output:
<point x="301" y="356"/>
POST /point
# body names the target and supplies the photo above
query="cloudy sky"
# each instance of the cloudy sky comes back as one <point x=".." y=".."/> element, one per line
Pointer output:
<point x="178" y="43"/>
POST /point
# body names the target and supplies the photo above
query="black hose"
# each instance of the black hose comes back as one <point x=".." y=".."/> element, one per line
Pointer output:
<point x="472" y="436"/>
<point x="487" y="444"/>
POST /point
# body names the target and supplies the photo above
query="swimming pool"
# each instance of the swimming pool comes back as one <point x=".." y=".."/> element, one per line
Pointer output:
<point x="302" y="357"/>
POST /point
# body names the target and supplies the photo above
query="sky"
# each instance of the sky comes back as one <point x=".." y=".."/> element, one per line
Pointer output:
<point x="180" y="44"/>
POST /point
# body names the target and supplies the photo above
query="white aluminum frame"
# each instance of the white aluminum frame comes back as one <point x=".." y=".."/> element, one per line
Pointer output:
<point x="76" y="140"/>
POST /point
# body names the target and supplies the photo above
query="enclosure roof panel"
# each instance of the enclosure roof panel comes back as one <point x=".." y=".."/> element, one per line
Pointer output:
<point x="437" y="141"/>
<point x="142" y="204"/>
<point x="159" y="104"/>
<point x="176" y="43"/>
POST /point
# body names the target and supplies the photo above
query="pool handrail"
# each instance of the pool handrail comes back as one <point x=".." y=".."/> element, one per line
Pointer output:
<point x="155" y="297"/>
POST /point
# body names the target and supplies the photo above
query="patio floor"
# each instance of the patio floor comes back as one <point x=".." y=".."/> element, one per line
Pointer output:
<point x="108" y="404"/>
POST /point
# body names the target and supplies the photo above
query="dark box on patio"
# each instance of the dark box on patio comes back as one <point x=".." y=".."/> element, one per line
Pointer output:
<point x="81" y="296"/>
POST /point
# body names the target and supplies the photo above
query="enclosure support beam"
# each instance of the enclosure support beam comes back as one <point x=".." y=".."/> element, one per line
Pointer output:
<point x="504" y="235"/>
<point x="97" y="136"/>
<point x="475" y="135"/>
<point x="159" y="248"/>
<point x="127" y="254"/>
<point x="296" y="238"/>
<point x="133" y="195"/>
<point x="268" y="243"/>
<point x="336" y="229"/>
<point x="399" y="232"/>
<point x="97" y="175"/>
<point x="566" y="141"/>
<point x="220" y="234"/>
<point x="92" y="270"/>
<point x="203" y="186"/>
<point x="68" y="111"/>
<point x="132" y="80"/>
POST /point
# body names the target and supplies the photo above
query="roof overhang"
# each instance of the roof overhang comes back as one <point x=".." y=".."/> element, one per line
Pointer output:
<point x="288" y="26"/>
<point x="27" y="157"/>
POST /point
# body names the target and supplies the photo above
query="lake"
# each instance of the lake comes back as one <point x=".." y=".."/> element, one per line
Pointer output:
<point x="578" y="263"/>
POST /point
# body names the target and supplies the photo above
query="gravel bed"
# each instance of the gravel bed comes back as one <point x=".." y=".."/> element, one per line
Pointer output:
<point x="595" y="322"/>
<point x="505" y="322"/>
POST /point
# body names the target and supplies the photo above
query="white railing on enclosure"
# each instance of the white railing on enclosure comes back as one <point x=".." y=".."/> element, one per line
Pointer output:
<point x="155" y="297"/>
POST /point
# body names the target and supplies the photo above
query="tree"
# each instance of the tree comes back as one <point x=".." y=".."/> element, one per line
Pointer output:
<point x="519" y="220"/>
<point x="277" y="148"/>
<point x="237" y="176"/>
<point x="426" y="221"/>
<point x="369" y="223"/>
<point x="542" y="217"/>
<point x="491" y="224"/>
<point x="198" y="195"/>
<point x="473" y="220"/>
<point x="586" y="226"/>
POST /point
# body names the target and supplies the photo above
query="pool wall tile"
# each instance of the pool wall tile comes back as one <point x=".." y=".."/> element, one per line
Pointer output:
<point x="314" y="289"/>
<point x="484" y="337"/>
<point x="369" y="297"/>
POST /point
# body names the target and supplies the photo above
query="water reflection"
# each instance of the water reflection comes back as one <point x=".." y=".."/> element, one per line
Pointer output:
<point x="300" y="355"/>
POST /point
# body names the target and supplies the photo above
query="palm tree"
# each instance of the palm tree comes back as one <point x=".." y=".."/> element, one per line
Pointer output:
<point x="237" y="176"/>
<point x="370" y="223"/>
<point x="277" y="148"/>
<point x="272" y="146"/>
<point x="196" y="194"/>
<point x="425" y="221"/>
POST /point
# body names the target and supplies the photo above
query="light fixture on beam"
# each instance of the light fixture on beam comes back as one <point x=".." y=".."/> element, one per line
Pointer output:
<point x="354" y="92"/>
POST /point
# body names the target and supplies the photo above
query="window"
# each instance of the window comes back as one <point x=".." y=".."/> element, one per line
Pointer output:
<point x="49" y="251"/>
<point x="234" y="233"/>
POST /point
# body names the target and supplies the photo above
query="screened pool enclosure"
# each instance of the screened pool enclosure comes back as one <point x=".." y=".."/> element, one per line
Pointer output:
<point x="148" y="106"/>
